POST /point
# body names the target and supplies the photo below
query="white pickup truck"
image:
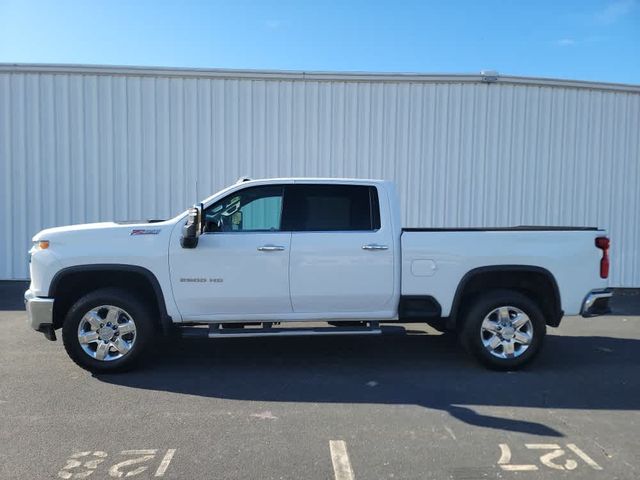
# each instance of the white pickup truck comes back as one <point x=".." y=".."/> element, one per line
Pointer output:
<point x="261" y="254"/>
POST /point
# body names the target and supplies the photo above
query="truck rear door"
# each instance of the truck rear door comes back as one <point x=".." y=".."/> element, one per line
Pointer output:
<point x="342" y="258"/>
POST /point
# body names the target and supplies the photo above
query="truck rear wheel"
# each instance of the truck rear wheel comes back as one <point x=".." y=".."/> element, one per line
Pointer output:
<point x="503" y="329"/>
<point x="106" y="331"/>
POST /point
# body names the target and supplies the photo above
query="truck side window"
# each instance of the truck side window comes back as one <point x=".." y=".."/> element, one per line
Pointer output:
<point x="254" y="209"/>
<point x="324" y="208"/>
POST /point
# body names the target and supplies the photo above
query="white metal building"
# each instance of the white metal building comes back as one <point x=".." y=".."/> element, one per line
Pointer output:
<point x="83" y="144"/>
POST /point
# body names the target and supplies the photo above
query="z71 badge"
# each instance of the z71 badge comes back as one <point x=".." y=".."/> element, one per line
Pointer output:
<point x="201" y="280"/>
<point x="145" y="231"/>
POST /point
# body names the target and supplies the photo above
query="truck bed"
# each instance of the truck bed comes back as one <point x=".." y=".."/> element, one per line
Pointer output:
<point x="433" y="258"/>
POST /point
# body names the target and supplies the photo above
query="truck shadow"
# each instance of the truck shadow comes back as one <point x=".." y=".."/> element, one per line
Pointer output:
<point x="587" y="373"/>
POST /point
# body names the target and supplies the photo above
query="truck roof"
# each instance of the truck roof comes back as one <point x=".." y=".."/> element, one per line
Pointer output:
<point x="328" y="180"/>
<point x="311" y="180"/>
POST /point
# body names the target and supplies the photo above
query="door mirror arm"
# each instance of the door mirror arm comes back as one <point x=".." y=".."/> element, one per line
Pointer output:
<point x="192" y="229"/>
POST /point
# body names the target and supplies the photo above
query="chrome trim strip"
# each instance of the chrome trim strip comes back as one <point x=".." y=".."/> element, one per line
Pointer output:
<point x="375" y="246"/>
<point x="296" y="333"/>
<point x="271" y="248"/>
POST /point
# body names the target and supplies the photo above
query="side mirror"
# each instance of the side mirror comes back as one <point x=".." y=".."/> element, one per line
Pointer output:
<point x="191" y="230"/>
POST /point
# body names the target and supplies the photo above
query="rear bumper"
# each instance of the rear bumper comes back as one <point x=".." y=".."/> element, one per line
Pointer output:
<point x="40" y="314"/>
<point x="596" y="303"/>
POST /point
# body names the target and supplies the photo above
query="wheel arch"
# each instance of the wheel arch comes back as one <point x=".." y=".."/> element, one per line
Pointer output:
<point x="536" y="282"/>
<point x="71" y="283"/>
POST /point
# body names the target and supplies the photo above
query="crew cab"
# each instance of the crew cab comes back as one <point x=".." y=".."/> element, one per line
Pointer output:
<point x="277" y="256"/>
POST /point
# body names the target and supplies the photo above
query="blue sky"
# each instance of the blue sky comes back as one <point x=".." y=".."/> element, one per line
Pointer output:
<point x="586" y="39"/>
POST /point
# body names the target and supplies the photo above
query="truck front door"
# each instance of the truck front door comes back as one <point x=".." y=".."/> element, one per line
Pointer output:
<point x="241" y="264"/>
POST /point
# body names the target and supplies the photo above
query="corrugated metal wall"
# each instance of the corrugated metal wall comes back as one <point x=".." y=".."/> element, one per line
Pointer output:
<point x="82" y="146"/>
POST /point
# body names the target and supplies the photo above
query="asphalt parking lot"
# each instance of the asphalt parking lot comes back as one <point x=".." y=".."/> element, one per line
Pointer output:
<point x="402" y="407"/>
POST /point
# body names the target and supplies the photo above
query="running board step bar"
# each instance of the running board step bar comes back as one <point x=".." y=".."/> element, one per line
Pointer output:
<point x="215" y="331"/>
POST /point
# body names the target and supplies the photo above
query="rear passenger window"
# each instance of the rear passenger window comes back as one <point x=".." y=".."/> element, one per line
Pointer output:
<point x="312" y="208"/>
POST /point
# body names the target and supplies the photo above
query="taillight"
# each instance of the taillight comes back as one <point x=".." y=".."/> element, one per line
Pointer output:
<point x="603" y="244"/>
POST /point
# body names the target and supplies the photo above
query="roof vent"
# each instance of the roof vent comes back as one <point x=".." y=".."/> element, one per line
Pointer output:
<point x="489" y="76"/>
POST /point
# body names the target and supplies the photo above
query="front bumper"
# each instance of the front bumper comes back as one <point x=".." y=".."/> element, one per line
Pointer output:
<point x="40" y="314"/>
<point x="596" y="303"/>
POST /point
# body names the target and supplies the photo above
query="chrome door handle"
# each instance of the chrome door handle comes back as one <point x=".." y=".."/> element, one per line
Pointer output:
<point x="375" y="246"/>
<point x="271" y="248"/>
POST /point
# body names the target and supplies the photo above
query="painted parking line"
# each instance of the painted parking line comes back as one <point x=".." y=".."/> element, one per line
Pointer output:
<point x="505" y="461"/>
<point x="340" y="459"/>
<point x="450" y="432"/>
<point x="85" y="463"/>
<point x="164" y="464"/>
<point x="586" y="458"/>
<point x="553" y="457"/>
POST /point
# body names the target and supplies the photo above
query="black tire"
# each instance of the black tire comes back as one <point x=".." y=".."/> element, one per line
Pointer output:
<point x="481" y="306"/>
<point x="137" y="310"/>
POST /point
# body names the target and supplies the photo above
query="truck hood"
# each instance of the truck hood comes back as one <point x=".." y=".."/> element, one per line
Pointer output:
<point x="102" y="228"/>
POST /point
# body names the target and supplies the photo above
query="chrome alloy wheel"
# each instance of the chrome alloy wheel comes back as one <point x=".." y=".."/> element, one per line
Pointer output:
<point x="106" y="333"/>
<point x="506" y="332"/>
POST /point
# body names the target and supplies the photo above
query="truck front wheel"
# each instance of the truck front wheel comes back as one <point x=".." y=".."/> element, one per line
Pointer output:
<point x="503" y="329"/>
<point x="107" y="331"/>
